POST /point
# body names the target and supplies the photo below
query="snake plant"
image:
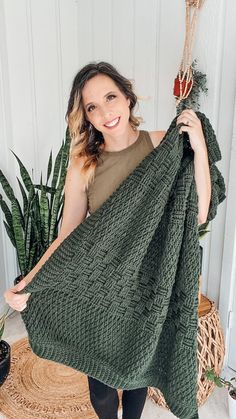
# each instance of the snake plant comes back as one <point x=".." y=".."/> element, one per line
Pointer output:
<point x="2" y="323"/>
<point x="34" y="226"/>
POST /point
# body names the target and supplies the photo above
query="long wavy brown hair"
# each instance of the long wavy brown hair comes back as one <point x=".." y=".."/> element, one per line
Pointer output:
<point x="86" y="140"/>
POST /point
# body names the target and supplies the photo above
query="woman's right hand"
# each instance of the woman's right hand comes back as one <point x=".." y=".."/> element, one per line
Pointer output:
<point x="17" y="301"/>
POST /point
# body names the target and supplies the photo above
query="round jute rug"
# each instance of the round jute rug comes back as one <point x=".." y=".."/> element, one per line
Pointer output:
<point x="43" y="389"/>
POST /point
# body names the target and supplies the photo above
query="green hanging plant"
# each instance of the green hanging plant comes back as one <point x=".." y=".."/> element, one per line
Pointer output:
<point x="33" y="226"/>
<point x="199" y="85"/>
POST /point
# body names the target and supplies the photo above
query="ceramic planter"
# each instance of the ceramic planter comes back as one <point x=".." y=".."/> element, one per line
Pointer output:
<point x="232" y="405"/>
<point x="5" y="360"/>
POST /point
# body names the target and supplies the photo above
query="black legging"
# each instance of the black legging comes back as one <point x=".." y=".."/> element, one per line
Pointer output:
<point x="105" y="400"/>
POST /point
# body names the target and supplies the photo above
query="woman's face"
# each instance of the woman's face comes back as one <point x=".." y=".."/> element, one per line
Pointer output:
<point x="103" y="102"/>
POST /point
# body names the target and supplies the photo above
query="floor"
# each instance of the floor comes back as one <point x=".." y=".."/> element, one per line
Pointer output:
<point x="215" y="408"/>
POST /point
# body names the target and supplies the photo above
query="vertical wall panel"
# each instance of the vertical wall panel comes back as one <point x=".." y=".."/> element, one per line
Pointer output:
<point x="171" y="39"/>
<point x="102" y="39"/>
<point x="68" y="30"/>
<point x="85" y="32"/>
<point x="8" y="269"/>
<point x="123" y="37"/>
<point x="228" y="283"/>
<point x="224" y="116"/>
<point x="145" y="59"/>
<point x="208" y="51"/>
<point x="24" y="132"/>
<point x="47" y="75"/>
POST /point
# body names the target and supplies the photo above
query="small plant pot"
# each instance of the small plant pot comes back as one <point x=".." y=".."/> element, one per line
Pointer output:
<point x="232" y="404"/>
<point x="181" y="86"/>
<point x="5" y="360"/>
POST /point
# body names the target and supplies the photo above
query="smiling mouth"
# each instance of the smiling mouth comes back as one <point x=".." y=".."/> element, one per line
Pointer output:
<point x="113" y="123"/>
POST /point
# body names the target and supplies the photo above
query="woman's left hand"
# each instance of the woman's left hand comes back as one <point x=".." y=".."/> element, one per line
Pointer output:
<point x="193" y="128"/>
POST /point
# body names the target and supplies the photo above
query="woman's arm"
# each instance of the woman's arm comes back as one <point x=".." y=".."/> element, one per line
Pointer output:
<point x="193" y="127"/>
<point x="203" y="183"/>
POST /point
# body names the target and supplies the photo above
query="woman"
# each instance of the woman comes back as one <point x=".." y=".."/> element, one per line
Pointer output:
<point x="105" y="137"/>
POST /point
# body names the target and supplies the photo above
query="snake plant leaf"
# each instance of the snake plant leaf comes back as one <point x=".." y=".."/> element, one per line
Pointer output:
<point x="2" y="322"/>
<point x="57" y="167"/>
<point x="6" y="186"/>
<point x="65" y="155"/>
<point x="6" y="211"/>
<point x="37" y="226"/>
<point x="44" y="213"/>
<point x="57" y="196"/>
<point x="28" y="217"/>
<point x="68" y="137"/>
<point x="19" y="214"/>
<point x="54" y="213"/>
<point x="9" y="231"/>
<point x="2" y="325"/>
<point x="61" y="206"/>
<point x="41" y="181"/>
<point x="49" y="170"/>
<point x="48" y="189"/>
<point x="37" y="238"/>
<point x="24" y="173"/>
<point x="35" y="214"/>
<point x="28" y="231"/>
<point x="32" y="260"/>
<point x="19" y="236"/>
<point x="24" y="196"/>
<point x="64" y="164"/>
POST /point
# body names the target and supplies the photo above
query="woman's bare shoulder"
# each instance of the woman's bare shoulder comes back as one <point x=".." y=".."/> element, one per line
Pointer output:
<point x="156" y="137"/>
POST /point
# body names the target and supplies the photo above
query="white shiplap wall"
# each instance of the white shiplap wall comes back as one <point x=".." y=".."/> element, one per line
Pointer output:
<point x="42" y="46"/>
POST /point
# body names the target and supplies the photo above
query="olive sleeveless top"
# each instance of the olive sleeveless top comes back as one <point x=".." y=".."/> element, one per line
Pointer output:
<point x="114" y="166"/>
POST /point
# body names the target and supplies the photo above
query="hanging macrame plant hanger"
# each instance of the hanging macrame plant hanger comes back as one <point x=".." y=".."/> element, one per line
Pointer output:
<point x="184" y="81"/>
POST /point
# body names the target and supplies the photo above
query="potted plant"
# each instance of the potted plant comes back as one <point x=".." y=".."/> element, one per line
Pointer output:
<point x="34" y="226"/>
<point x="5" y="351"/>
<point x="221" y="382"/>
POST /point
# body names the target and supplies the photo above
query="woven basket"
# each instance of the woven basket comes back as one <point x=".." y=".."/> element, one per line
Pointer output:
<point x="211" y="351"/>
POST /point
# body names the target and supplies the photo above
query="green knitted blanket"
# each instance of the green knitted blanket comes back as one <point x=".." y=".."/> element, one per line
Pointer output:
<point x="118" y="299"/>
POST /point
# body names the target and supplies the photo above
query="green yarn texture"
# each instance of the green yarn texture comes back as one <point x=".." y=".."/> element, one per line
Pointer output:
<point x="118" y="299"/>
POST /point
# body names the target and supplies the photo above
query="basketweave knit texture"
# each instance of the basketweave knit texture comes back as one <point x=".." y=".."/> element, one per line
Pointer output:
<point x="118" y="299"/>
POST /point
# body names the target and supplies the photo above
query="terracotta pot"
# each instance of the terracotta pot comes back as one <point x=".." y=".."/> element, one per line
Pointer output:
<point x="177" y="84"/>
